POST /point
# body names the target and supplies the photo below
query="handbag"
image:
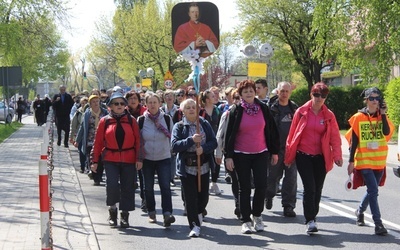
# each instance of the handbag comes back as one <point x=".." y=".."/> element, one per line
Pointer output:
<point x="191" y="159"/>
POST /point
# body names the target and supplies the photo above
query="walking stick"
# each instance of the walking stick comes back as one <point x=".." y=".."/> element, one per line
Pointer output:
<point x="198" y="145"/>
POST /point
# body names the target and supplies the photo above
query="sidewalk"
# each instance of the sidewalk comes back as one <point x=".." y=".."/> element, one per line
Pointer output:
<point x="19" y="195"/>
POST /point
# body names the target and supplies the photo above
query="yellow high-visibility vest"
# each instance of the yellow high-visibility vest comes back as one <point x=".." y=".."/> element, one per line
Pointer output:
<point x="372" y="149"/>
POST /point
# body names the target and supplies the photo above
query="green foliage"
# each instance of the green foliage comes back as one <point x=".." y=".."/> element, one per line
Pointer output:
<point x="359" y="34"/>
<point x="392" y="98"/>
<point x="285" y="22"/>
<point x="7" y="129"/>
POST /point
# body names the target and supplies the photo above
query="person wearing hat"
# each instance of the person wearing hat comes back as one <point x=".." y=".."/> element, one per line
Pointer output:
<point x="314" y="144"/>
<point x="116" y="144"/>
<point x="370" y="131"/>
<point x="87" y="131"/>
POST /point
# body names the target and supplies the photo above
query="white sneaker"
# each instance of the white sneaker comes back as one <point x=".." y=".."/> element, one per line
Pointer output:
<point x="195" y="232"/>
<point x="311" y="227"/>
<point x="246" y="228"/>
<point x="215" y="189"/>
<point x="258" y="224"/>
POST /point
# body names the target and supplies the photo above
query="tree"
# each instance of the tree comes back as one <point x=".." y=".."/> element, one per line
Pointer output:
<point x="29" y="38"/>
<point x="143" y="39"/>
<point x="285" y="22"/>
<point x="362" y="35"/>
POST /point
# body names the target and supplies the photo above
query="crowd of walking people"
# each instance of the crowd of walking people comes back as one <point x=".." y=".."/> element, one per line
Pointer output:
<point x="128" y="140"/>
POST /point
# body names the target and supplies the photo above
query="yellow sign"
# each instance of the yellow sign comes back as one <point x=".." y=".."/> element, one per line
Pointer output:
<point x="168" y="76"/>
<point x="331" y="74"/>
<point x="146" y="82"/>
<point x="257" y="69"/>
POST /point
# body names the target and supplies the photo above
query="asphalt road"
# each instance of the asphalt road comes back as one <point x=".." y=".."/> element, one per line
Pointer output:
<point x="221" y="229"/>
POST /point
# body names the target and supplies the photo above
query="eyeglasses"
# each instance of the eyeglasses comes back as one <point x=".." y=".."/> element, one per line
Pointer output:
<point x="319" y="95"/>
<point x="192" y="95"/>
<point x="372" y="98"/>
<point x="181" y="95"/>
<point x="119" y="103"/>
<point x="236" y="97"/>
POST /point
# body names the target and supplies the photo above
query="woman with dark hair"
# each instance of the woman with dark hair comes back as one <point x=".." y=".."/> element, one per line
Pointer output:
<point x="368" y="153"/>
<point x="314" y="143"/>
<point x="136" y="109"/>
<point x="213" y="116"/>
<point x="251" y="140"/>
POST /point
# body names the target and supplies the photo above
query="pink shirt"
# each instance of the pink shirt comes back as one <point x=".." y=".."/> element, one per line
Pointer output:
<point x="250" y="138"/>
<point x="310" y="141"/>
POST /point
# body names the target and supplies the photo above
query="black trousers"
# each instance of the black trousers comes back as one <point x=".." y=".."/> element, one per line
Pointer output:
<point x="195" y="202"/>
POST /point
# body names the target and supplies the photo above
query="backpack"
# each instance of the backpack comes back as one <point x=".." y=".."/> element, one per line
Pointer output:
<point x="167" y="119"/>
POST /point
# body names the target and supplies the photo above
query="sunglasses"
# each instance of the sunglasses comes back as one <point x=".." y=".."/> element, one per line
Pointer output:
<point x="319" y="95"/>
<point x="181" y="95"/>
<point x="191" y="95"/>
<point x="372" y="98"/>
<point x="119" y="103"/>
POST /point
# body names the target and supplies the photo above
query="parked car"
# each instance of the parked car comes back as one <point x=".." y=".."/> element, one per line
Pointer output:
<point x="6" y="113"/>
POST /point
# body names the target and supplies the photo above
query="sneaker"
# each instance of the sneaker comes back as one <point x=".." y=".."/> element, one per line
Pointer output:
<point x="168" y="220"/>
<point x="268" y="203"/>
<point x="246" y="228"/>
<point x="214" y="189"/>
<point x="152" y="218"/>
<point x="380" y="230"/>
<point x="311" y="227"/>
<point x="258" y="223"/>
<point x="360" y="218"/>
<point x="289" y="212"/>
<point x="195" y="232"/>
<point x="228" y="179"/>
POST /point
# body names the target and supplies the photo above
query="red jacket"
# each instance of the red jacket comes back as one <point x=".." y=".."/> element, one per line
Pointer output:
<point x="105" y="143"/>
<point x="330" y="142"/>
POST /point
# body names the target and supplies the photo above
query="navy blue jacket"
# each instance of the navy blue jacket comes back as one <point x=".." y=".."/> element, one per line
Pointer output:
<point x="181" y="141"/>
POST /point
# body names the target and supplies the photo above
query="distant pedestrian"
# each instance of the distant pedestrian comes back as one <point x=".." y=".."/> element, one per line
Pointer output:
<point x="87" y="133"/>
<point x="282" y="109"/>
<point x="62" y="104"/>
<point x="117" y="143"/>
<point x="21" y="107"/>
<point x="314" y="144"/>
<point x="184" y="142"/>
<point x="370" y="131"/>
<point x="38" y="106"/>
<point x="46" y="106"/>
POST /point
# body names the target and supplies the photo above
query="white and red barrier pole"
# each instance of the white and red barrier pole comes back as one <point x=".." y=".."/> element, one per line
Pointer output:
<point x="44" y="197"/>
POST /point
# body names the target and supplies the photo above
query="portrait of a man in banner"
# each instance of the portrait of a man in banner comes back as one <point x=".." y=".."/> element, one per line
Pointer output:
<point x="195" y="26"/>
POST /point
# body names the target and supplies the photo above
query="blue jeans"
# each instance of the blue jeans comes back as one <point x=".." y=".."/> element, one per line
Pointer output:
<point x="163" y="169"/>
<point x="371" y="179"/>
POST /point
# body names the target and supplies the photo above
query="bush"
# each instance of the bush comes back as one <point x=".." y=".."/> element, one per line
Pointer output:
<point x="392" y="98"/>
